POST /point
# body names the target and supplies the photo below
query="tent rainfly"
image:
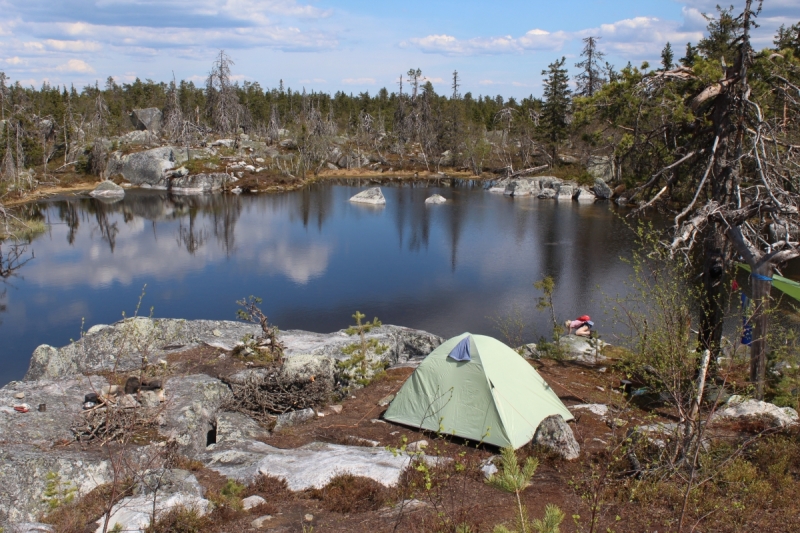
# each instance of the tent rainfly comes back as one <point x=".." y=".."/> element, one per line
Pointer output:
<point x="476" y="387"/>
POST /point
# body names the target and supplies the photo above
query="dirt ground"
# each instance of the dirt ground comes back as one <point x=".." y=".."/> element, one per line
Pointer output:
<point x="465" y="497"/>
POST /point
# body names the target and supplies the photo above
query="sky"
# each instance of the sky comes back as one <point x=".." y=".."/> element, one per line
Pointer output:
<point x="497" y="47"/>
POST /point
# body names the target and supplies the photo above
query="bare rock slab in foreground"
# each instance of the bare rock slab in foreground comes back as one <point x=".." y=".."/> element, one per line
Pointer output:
<point x="310" y="466"/>
<point x="372" y="196"/>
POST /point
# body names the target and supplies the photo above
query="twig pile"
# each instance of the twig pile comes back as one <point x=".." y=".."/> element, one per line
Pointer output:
<point x="112" y="423"/>
<point x="269" y="393"/>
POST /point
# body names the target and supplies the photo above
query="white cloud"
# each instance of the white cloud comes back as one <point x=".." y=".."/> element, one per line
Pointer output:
<point x="535" y="39"/>
<point x="73" y="46"/>
<point x="77" y="66"/>
<point x="359" y="81"/>
<point x="641" y="37"/>
<point x="14" y="61"/>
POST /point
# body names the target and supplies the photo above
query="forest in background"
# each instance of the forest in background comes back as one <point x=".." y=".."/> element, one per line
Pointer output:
<point x="637" y="115"/>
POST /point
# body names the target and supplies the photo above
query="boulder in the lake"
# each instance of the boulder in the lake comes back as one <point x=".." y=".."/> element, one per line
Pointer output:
<point x="565" y="192"/>
<point x="108" y="189"/>
<point x="601" y="190"/>
<point x="148" y="119"/>
<point x="547" y="194"/>
<point x="435" y="199"/>
<point x="372" y="196"/>
<point x="554" y="433"/>
<point x="583" y="195"/>
<point x="199" y="183"/>
<point x="521" y="187"/>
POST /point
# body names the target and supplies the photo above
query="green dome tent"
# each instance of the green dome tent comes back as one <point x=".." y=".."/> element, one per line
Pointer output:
<point x="476" y="387"/>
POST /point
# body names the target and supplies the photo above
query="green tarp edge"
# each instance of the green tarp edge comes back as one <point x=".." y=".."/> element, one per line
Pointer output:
<point x="785" y="285"/>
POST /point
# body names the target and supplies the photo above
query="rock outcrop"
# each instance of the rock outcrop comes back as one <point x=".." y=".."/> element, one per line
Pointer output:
<point x="372" y="196"/>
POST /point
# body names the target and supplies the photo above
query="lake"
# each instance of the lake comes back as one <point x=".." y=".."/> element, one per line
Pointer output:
<point x="315" y="259"/>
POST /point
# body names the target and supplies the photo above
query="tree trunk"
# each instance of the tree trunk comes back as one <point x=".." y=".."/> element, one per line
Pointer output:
<point x="714" y="294"/>
<point x="761" y="282"/>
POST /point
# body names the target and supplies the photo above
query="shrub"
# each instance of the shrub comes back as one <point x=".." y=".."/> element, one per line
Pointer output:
<point x="179" y="520"/>
<point x="347" y="493"/>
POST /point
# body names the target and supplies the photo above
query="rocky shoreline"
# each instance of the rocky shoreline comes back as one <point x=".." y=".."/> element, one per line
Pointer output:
<point x="50" y="454"/>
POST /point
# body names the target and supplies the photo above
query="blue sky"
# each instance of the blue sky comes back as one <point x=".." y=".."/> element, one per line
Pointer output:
<point x="498" y="47"/>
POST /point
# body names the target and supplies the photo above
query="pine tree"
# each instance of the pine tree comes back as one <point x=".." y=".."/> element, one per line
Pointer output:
<point x="667" y="57"/>
<point x="590" y="80"/>
<point x="557" y="102"/>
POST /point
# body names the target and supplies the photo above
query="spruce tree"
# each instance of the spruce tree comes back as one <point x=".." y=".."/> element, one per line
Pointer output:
<point x="557" y="102"/>
<point x="667" y="57"/>
<point x="690" y="56"/>
<point x="590" y="80"/>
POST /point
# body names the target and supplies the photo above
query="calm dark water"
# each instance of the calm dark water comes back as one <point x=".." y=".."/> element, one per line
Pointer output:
<point x="315" y="259"/>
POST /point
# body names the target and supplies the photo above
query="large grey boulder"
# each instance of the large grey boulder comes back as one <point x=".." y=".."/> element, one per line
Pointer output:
<point x="601" y="190"/>
<point x="554" y="433"/>
<point x="199" y="183"/>
<point x="372" y="196"/>
<point x="148" y="119"/>
<point x="108" y="189"/>
<point x="149" y="167"/>
<point x="310" y="466"/>
<point x="740" y="408"/>
<point x="191" y="411"/>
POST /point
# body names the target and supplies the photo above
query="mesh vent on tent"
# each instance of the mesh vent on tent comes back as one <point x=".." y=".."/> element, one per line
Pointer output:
<point x="461" y="350"/>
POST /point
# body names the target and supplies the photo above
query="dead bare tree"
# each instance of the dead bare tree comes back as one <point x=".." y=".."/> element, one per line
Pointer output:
<point x="222" y="101"/>
<point x="744" y="200"/>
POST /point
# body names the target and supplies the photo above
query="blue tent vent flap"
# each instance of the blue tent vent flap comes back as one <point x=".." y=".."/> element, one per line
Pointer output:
<point x="461" y="350"/>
